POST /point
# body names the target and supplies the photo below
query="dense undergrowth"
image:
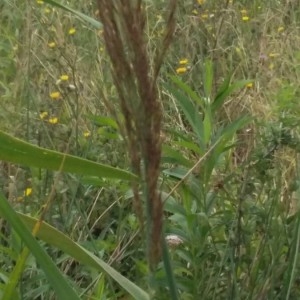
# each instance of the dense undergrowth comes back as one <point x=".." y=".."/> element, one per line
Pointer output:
<point x="228" y="175"/>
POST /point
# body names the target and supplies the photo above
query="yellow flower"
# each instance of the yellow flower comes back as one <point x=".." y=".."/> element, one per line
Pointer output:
<point x="181" y="70"/>
<point x="27" y="192"/>
<point x="204" y="16"/>
<point x="55" y="95"/>
<point x="243" y="11"/>
<point x="43" y="115"/>
<point x="249" y="85"/>
<point x="39" y="2"/>
<point x="72" y="31"/>
<point x="183" y="61"/>
<point x="47" y="10"/>
<point x="280" y="29"/>
<point x="272" y="55"/>
<point x="200" y="2"/>
<point x="52" y="45"/>
<point x="87" y="134"/>
<point x="53" y="120"/>
<point x="245" y="18"/>
<point x="64" y="77"/>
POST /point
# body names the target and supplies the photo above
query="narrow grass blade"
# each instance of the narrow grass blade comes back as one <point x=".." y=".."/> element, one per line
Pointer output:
<point x="188" y="91"/>
<point x="169" y="272"/>
<point x="20" y="152"/>
<point x="59" y="283"/>
<point x="208" y="78"/>
<point x="225" y="91"/>
<point x="191" y="113"/>
<point x="96" y="24"/>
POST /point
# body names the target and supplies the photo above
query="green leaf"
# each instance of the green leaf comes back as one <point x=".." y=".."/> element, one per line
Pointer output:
<point x="171" y="155"/>
<point x="208" y="78"/>
<point x="20" y="152"/>
<point x="207" y="125"/>
<point x="189" y="145"/>
<point x="82" y="16"/>
<point x="191" y="113"/>
<point x="225" y="91"/>
<point x="187" y="90"/>
<point x="56" y="238"/>
<point x="60" y="284"/>
<point x="103" y="121"/>
<point x="229" y="131"/>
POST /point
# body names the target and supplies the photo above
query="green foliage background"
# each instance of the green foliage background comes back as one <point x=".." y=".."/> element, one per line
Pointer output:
<point x="229" y="170"/>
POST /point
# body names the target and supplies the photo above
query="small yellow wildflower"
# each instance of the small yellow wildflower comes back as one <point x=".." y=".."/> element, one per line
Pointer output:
<point x="47" y="10"/>
<point x="243" y="11"/>
<point x="27" y="192"/>
<point x="280" y="29"/>
<point x="64" y="77"/>
<point x="181" y="70"/>
<point x="249" y="85"/>
<point x="53" y="120"/>
<point x="200" y="2"/>
<point x="245" y="18"/>
<point x="183" y="61"/>
<point x="271" y="66"/>
<point x="204" y="16"/>
<point x="87" y="134"/>
<point x="72" y="31"/>
<point x="43" y="115"/>
<point x="40" y="2"/>
<point x="272" y="55"/>
<point x="55" y="95"/>
<point x="52" y="45"/>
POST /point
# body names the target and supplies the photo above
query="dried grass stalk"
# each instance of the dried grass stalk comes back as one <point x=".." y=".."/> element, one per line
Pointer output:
<point x="135" y="80"/>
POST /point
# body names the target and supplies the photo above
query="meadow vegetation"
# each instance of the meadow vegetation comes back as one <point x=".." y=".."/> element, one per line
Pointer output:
<point x="149" y="153"/>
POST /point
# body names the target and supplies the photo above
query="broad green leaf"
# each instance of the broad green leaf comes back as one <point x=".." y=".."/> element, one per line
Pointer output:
<point x="63" y="289"/>
<point x="188" y="91"/>
<point x="20" y="152"/>
<point x="171" y="155"/>
<point x="208" y="78"/>
<point x="103" y="121"/>
<point x="191" y="113"/>
<point x="207" y="125"/>
<point x="178" y="172"/>
<point x="82" y="16"/>
<point x="225" y="136"/>
<point x="225" y="91"/>
<point x="169" y="271"/>
<point x="229" y="131"/>
<point x="190" y="145"/>
<point x="56" y="238"/>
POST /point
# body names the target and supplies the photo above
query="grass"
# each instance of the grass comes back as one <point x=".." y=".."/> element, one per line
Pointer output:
<point x="228" y="175"/>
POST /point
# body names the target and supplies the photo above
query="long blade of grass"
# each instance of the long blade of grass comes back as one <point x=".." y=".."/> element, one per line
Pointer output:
<point x="169" y="272"/>
<point x="96" y="24"/>
<point x="56" y="238"/>
<point x="188" y="90"/>
<point x="227" y="90"/>
<point x="191" y="113"/>
<point x="20" y="152"/>
<point x="60" y="284"/>
<point x="208" y="78"/>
